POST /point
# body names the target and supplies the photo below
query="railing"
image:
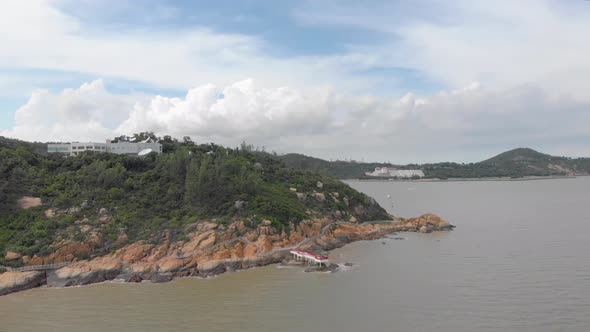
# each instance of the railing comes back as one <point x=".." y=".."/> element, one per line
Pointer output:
<point x="44" y="267"/>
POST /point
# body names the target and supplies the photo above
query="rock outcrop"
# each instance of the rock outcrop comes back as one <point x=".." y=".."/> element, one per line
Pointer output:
<point x="12" y="255"/>
<point x="27" y="202"/>
<point x="209" y="249"/>
<point x="11" y="282"/>
<point x="85" y="272"/>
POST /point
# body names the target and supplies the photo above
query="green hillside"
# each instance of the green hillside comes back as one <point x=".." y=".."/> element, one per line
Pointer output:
<point x="144" y="196"/>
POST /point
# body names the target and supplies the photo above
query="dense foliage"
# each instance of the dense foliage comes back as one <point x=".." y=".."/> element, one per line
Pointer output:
<point x="144" y="195"/>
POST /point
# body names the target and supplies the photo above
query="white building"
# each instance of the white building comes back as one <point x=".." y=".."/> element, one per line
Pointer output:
<point x="395" y="173"/>
<point x="120" y="147"/>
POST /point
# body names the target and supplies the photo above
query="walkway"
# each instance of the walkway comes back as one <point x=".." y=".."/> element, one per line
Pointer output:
<point x="44" y="267"/>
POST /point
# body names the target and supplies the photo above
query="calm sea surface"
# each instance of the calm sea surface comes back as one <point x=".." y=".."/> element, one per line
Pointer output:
<point x="519" y="260"/>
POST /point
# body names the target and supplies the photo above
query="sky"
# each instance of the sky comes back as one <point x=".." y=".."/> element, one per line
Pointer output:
<point x="379" y="80"/>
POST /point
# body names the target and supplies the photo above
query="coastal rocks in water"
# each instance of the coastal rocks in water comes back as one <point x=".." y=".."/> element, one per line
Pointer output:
<point x="211" y="268"/>
<point x="293" y="262"/>
<point x="210" y="249"/>
<point x="135" y="278"/>
<point x="426" y="223"/>
<point x="85" y="272"/>
<point x="425" y="229"/>
<point x="161" y="277"/>
<point x="11" y="282"/>
<point x="131" y="277"/>
<point x="323" y="268"/>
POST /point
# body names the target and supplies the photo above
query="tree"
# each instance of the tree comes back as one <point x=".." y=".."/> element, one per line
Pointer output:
<point x="187" y="140"/>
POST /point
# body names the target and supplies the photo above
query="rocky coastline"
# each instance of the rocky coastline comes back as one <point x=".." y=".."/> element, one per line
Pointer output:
<point x="209" y="249"/>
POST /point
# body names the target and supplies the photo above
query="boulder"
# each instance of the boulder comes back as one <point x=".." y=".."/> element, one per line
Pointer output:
<point x="11" y="282"/>
<point x="211" y="267"/>
<point x="134" y="278"/>
<point x="73" y="210"/>
<point x="27" y="202"/>
<point x="12" y="256"/>
<point x="121" y="239"/>
<point x="134" y="252"/>
<point x="161" y="277"/>
<point x="49" y="213"/>
<point x="424" y="229"/>
<point x="85" y="272"/>
<point x="170" y="264"/>
<point x="320" y="197"/>
<point x="206" y="226"/>
<point x="345" y="200"/>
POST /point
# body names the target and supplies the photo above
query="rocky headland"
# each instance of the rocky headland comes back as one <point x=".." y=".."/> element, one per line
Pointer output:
<point x="208" y="249"/>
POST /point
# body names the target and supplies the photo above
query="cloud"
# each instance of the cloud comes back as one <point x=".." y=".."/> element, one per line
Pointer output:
<point x="464" y="124"/>
<point x="526" y="56"/>
<point x="501" y="43"/>
<point x="86" y="113"/>
<point x="51" y="39"/>
<point x="240" y="110"/>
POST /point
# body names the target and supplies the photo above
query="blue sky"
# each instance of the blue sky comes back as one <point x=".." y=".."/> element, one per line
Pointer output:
<point x="276" y="23"/>
<point x="377" y="71"/>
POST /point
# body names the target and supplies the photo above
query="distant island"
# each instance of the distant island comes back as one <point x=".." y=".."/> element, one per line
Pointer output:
<point x="516" y="163"/>
<point x="82" y="215"/>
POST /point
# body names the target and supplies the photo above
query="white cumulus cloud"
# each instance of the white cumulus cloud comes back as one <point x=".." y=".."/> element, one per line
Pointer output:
<point x="464" y="124"/>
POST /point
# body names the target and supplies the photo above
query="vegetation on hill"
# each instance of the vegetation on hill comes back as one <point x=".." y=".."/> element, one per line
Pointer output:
<point x="144" y="196"/>
<point x="339" y="169"/>
<point x="514" y="163"/>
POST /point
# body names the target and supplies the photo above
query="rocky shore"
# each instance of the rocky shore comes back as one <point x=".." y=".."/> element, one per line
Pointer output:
<point x="209" y="249"/>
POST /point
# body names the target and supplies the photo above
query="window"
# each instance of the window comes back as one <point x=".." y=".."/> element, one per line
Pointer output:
<point x="88" y="147"/>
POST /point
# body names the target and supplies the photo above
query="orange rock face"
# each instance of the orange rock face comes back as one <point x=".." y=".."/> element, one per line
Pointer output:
<point x="211" y="248"/>
<point x="134" y="252"/>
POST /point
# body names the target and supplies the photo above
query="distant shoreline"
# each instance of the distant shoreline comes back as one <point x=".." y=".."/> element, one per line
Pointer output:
<point x="526" y="178"/>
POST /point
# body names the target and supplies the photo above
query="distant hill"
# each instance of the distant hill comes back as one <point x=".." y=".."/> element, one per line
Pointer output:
<point x="515" y="163"/>
<point x="519" y="155"/>
<point x="339" y="169"/>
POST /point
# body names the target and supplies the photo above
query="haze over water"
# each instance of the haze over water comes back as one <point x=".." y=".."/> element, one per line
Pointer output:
<point x="517" y="261"/>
